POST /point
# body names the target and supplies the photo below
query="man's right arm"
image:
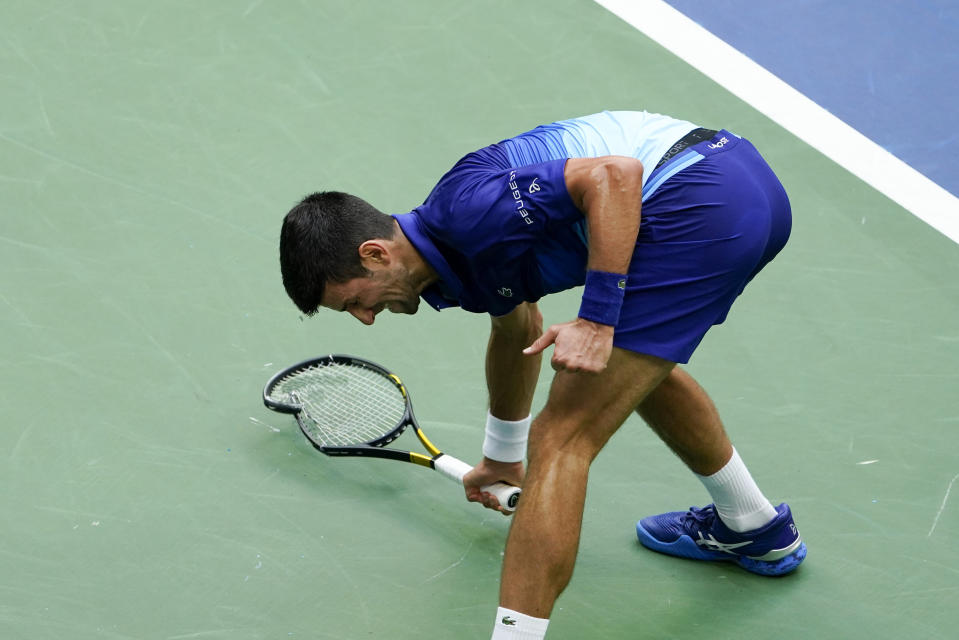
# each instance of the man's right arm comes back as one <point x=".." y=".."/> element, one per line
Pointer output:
<point x="511" y="379"/>
<point x="510" y="375"/>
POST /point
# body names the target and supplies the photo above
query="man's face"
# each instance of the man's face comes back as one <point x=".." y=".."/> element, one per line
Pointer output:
<point x="385" y="288"/>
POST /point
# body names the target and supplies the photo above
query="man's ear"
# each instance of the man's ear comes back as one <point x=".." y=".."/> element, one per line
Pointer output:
<point x="374" y="252"/>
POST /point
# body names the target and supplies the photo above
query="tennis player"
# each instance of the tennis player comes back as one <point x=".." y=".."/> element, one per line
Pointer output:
<point x="663" y="223"/>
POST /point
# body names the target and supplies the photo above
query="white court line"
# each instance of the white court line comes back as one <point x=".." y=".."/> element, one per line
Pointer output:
<point x="793" y="111"/>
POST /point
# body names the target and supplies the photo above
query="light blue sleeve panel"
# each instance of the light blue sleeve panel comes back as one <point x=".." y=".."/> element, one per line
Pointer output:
<point x="637" y="134"/>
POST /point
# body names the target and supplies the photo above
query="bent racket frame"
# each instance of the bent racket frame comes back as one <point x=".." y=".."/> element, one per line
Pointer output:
<point x="372" y="442"/>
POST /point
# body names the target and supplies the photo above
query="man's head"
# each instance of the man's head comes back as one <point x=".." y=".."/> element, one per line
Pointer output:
<point x="340" y="252"/>
<point x="319" y="244"/>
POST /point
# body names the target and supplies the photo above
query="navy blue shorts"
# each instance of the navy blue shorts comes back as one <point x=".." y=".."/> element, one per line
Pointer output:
<point x="706" y="231"/>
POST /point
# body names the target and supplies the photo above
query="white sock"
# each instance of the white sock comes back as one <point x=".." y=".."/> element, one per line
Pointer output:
<point x="739" y="502"/>
<point x="513" y="625"/>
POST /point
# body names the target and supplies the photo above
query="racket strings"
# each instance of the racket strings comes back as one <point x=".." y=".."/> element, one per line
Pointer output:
<point x="343" y="404"/>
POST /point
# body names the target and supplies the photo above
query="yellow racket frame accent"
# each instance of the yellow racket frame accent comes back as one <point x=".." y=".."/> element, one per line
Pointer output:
<point x="418" y="458"/>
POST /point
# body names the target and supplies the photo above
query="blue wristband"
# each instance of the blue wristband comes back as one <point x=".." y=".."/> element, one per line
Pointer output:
<point x="603" y="297"/>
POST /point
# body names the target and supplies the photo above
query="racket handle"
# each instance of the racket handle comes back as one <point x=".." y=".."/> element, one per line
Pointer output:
<point x="455" y="469"/>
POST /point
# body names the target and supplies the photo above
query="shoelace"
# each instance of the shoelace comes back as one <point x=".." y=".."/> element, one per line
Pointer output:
<point x="703" y="517"/>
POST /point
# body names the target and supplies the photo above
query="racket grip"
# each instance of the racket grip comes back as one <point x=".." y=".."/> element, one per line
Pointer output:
<point x="455" y="469"/>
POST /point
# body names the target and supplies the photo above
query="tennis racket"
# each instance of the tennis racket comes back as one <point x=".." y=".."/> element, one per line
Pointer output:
<point x="348" y="406"/>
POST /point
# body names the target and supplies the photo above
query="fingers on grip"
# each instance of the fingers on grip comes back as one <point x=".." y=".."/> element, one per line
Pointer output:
<point x="507" y="494"/>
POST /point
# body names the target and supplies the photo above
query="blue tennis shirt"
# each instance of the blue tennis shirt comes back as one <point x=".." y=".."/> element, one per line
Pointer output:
<point x="500" y="227"/>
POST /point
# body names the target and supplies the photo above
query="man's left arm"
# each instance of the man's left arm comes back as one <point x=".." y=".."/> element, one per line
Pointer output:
<point x="608" y="190"/>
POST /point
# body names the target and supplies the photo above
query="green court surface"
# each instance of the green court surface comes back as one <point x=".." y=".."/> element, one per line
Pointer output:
<point x="148" y="151"/>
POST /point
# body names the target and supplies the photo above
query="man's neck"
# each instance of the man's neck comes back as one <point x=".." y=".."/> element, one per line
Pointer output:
<point x="421" y="272"/>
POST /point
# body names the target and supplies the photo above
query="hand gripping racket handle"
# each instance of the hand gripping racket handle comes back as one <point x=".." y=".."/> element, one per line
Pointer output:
<point x="455" y="469"/>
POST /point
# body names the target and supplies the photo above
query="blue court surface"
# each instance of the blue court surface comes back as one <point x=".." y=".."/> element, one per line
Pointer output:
<point x="889" y="69"/>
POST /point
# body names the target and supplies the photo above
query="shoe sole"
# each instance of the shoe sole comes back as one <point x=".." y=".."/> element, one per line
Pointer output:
<point x="686" y="547"/>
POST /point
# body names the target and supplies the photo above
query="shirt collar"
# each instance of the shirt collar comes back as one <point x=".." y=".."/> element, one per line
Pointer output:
<point x="444" y="293"/>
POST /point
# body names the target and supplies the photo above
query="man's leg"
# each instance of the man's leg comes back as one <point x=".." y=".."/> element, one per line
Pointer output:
<point x="582" y="413"/>
<point x="741" y="525"/>
<point x="685" y="418"/>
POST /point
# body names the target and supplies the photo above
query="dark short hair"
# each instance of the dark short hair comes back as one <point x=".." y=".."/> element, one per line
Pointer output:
<point x="319" y="241"/>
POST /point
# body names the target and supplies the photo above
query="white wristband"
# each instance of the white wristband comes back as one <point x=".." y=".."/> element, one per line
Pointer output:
<point x="506" y="439"/>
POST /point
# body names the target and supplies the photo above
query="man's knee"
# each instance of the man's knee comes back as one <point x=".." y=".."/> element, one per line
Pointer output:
<point x="676" y="382"/>
<point x="572" y="437"/>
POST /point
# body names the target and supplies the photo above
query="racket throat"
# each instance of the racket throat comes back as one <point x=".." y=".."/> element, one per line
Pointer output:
<point x="420" y="459"/>
<point x="426" y="443"/>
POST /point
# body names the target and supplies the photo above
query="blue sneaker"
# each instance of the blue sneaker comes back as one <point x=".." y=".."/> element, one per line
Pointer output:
<point x="699" y="534"/>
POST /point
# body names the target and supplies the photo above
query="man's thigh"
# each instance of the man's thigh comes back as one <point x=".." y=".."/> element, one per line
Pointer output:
<point x="584" y="410"/>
